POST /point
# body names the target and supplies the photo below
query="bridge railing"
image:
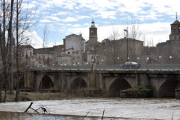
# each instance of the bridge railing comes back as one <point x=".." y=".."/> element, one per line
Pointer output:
<point x="103" y="67"/>
<point x="73" y="67"/>
<point x="160" y="66"/>
<point x="63" y="67"/>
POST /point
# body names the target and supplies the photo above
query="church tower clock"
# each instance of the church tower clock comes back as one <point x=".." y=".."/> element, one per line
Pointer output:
<point x="93" y="33"/>
<point x="175" y="30"/>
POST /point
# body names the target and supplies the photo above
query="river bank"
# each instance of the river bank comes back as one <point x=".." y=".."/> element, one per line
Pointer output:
<point x="34" y="96"/>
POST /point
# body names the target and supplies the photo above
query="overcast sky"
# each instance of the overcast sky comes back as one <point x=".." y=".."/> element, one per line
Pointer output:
<point x="65" y="17"/>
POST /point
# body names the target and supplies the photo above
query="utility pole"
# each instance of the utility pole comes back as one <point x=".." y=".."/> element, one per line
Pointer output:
<point x="126" y="30"/>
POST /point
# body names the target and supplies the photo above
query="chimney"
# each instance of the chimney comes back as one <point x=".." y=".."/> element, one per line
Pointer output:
<point x="64" y="42"/>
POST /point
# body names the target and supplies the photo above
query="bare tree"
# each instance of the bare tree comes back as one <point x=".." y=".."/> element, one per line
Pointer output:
<point x="23" y="24"/>
<point x="4" y="43"/>
<point x="134" y="31"/>
<point x="10" y="48"/>
<point x="115" y="35"/>
<point x="45" y="38"/>
<point x="134" y="45"/>
<point x="45" y="35"/>
<point x="17" y="49"/>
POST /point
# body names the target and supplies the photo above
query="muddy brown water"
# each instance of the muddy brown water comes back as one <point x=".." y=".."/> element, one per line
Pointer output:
<point x="33" y="116"/>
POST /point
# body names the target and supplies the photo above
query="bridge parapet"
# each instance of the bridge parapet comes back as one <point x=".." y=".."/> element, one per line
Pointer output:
<point x="110" y="67"/>
<point x="104" y="76"/>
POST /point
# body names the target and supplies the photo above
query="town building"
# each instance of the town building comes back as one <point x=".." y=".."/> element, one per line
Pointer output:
<point x="76" y="51"/>
<point x="70" y="57"/>
<point x="168" y="51"/>
<point x="93" y="38"/>
<point x="77" y="42"/>
<point x="92" y="45"/>
<point x="48" y="56"/>
<point x="175" y="30"/>
<point x="117" y="51"/>
<point x="26" y="55"/>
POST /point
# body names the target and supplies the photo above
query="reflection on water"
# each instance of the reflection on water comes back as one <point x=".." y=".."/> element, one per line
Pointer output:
<point x="30" y="116"/>
<point x="34" y="116"/>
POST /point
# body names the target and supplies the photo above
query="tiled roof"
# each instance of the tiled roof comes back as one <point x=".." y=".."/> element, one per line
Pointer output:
<point x="176" y="22"/>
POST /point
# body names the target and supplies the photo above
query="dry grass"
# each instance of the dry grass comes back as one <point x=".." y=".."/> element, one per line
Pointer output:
<point x="34" y="96"/>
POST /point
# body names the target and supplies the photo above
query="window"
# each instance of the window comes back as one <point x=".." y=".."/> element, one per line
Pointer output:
<point x="92" y="57"/>
<point x="178" y="28"/>
<point x="68" y="52"/>
<point x="97" y="56"/>
<point x="174" y="28"/>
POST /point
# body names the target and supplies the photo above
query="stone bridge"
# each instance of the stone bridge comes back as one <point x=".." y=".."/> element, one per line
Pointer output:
<point x="163" y="81"/>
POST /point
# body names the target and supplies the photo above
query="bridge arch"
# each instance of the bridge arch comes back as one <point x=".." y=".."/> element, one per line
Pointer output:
<point x="78" y="83"/>
<point x="46" y="83"/>
<point x="167" y="89"/>
<point x="118" y="85"/>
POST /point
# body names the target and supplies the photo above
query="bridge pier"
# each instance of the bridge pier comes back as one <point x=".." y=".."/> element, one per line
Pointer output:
<point x="102" y="82"/>
<point x="142" y="79"/>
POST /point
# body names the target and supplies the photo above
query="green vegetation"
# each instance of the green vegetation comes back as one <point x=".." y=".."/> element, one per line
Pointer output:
<point x="139" y="88"/>
<point x="137" y="92"/>
<point x="93" y="89"/>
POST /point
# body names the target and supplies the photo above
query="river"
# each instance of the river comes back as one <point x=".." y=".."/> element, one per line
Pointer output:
<point x="114" y="108"/>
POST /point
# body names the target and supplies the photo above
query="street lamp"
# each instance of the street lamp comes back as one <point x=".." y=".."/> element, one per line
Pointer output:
<point x="137" y="58"/>
<point x="170" y="57"/>
<point x="147" y="62"/>
<point x="126" y="30"/>
<point x="159" y="59"/>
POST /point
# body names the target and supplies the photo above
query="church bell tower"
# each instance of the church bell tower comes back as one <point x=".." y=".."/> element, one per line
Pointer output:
<point x="175" y="30"/>
<point x="93" y="33"/>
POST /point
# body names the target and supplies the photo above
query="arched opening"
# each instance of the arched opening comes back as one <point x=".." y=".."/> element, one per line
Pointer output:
<point x="78" y="83"/>
<point x="46" y="83"/>
<point x="167" y="89"/>
<point x="118" y="85"/>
